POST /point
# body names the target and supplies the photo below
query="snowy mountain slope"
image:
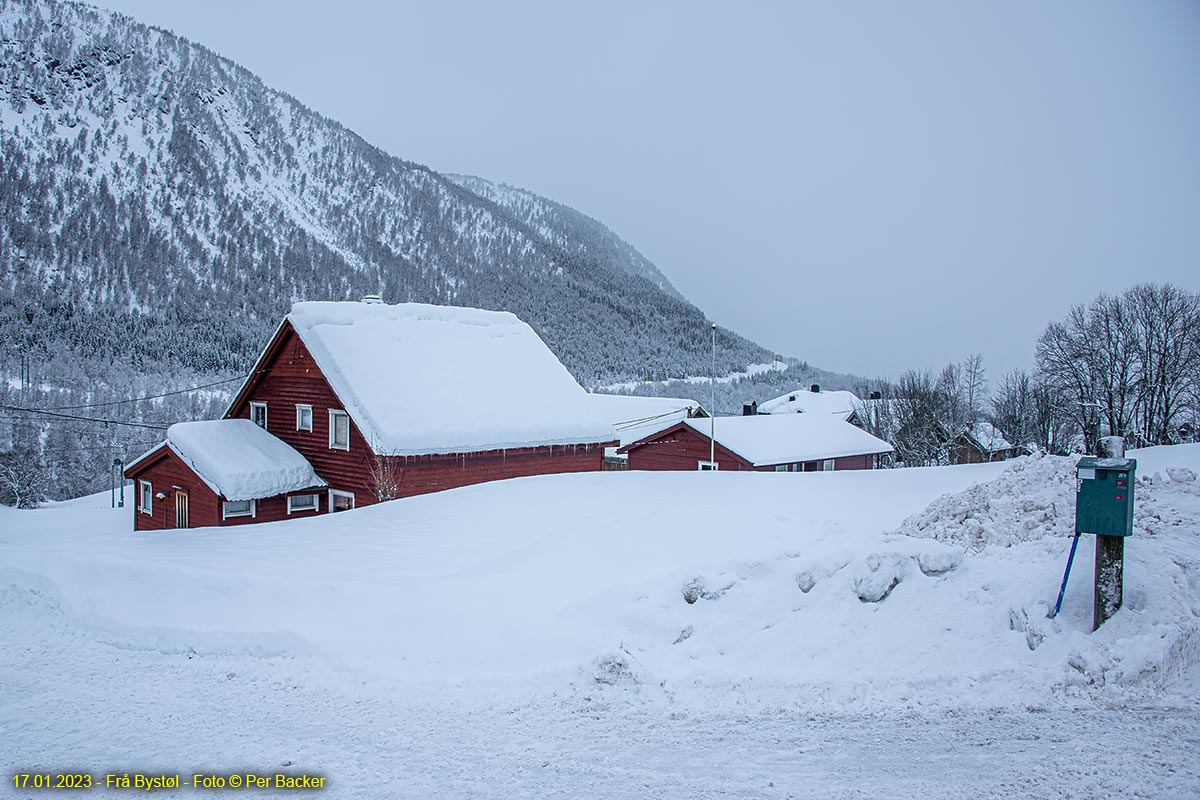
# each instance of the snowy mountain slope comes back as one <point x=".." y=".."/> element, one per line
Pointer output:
<point x="143" y="173"/>
<point x="627" y="634"/>
<point x="566" y="227"/>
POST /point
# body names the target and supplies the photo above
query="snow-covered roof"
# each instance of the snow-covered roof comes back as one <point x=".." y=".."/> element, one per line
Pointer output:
<point x="787" y="438"/>
<point x="240" y="460"/>
<point x="989" y="437"/>
<point x="635" y="417"/>
<point x="419" y="379"/>
<point x="839" y="402"/>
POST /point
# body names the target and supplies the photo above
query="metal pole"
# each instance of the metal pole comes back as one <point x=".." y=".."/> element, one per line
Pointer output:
<point x="712" y="416"/>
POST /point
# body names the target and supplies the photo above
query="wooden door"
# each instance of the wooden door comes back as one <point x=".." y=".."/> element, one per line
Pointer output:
<point x="181" y="509"/>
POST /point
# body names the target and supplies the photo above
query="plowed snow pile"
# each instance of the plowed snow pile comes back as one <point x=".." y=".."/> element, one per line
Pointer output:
<point x="1033" y="499"/>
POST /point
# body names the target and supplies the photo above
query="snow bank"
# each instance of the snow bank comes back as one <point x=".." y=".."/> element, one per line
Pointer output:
<point x="421" y="379"/>
<point x="240" y="460"/>
<point x="693" y="590"/>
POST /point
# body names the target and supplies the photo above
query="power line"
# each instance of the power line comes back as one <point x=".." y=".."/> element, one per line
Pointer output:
<point x="147" y="397"/>
<point x="55" y="415"/>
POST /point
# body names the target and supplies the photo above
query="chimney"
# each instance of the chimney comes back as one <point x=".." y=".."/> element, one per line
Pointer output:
<point x="815" y="388"/>
<point x="750" y="409"/>
<point x="372" y="299"/>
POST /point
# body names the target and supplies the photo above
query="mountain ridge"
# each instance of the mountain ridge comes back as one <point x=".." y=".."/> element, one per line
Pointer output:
<point x="168" y="175"/>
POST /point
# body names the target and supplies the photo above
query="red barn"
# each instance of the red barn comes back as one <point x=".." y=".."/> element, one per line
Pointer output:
<point x="387" y="401"/>
<point x="764" y="443"/>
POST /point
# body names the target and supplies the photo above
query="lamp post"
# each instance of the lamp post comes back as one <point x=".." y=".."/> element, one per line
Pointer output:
<point x="712" y="416"/>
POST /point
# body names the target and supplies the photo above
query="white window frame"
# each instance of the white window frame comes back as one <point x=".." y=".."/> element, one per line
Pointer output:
<point x="827" y="465"/>
<point x="316" y="503"/>
<point x="336" y="493"/>
<point x="708" y="466"/>
<point x="146" y="497"/>
<point x="300" y="409"/>
<point x="334" y="414"/>
<point x="253" y="408"/>
<point x="253" y="512"/>
<point x="783" y="467"/>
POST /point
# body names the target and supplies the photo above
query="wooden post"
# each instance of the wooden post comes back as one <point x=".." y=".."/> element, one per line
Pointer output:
<point x="1110" y="578"/>
<point x="1110" y="553"/>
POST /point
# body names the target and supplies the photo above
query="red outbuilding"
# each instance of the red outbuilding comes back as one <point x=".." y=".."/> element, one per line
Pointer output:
<point x="388" y="401"/>
<point x="764" y="443"/>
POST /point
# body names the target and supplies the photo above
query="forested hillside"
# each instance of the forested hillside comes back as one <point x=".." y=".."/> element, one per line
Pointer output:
<point x="161" y="209"/>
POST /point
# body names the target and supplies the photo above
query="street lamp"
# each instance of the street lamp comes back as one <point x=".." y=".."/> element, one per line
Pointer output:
<point x="712" y="416"/>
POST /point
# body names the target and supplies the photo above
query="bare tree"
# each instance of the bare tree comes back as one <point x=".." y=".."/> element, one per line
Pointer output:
<point x="385" y="475"/>
<point x="974" y="388"/>
<point x="1066" y="365"/>
<point x="1012" y="408"/>
<point x="919" y="408"/>
<point x="1165" y="318"/>
<point x="22" y="480"/>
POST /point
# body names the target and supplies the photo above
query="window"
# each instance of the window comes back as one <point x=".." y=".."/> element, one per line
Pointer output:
<point x="783" y="467"/>
<point x="827" y="465"/>
<point x="258" y="414"/>
<point x="340" y="501"/>
<point x="303" y="417"/>
<point x="705" y="466"/>
<point x="339" y="430"/>
<point x="302" y="502"/>
<point x="238" y="508"/>
<point x="146" y="497"/>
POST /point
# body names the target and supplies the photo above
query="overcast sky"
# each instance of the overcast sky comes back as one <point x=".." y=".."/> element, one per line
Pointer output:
<point x="871" y="187"/>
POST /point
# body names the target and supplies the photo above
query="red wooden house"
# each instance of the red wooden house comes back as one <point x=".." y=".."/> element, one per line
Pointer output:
<point x="764" y="443"/>
<point x="387" y="401"/>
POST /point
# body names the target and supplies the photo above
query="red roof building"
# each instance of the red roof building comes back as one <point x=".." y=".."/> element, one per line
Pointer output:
<point x="377" y="402"/>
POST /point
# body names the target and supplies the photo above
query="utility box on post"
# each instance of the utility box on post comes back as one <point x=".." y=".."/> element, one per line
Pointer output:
<point x="1104" y="506"/>
<point x="1104" y="496"/>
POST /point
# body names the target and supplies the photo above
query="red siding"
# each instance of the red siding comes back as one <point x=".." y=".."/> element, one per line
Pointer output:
<point x="424" y="474"/>
<point x="680" y="447"/>
<point x="288" y="374"/>
<point x="166" y="471"/>
<point x="169" y="474"/>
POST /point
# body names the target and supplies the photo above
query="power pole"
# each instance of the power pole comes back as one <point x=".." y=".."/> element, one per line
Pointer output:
<point x="712" y="417"/>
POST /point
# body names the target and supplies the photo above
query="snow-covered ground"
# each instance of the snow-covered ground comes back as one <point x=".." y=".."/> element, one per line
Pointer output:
<point x="851" y="634"/>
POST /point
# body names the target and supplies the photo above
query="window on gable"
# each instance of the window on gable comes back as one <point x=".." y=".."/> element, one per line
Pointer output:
<point x="146" y="497"/>
<point x="339" y="430"/>
<point x="303" y="417"/>
<point x="258" y="414"/>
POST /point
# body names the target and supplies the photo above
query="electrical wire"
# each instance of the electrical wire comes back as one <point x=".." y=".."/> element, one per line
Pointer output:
<point x="147" y="397"/>
<point x="76" y="417"/>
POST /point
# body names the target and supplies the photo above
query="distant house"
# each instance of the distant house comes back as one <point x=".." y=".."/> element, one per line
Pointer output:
<point x="840" y="403"/>
<point x="980" y="443"/>
<point x="380" y="401"/>
<point x="634" y="417"/>
<point x="780" y="443"/>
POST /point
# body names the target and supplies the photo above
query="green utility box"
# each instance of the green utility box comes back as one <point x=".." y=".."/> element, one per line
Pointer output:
<point x="1104" y="496"/>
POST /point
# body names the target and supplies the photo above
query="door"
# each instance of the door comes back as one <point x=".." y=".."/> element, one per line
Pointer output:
<point x="181" y="509"/>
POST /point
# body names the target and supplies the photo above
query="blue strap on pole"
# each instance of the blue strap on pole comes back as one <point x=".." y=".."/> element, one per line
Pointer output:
<point x="1067" y="574"/>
